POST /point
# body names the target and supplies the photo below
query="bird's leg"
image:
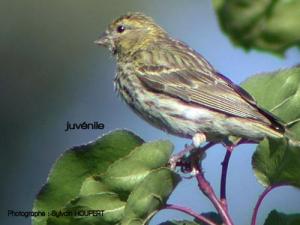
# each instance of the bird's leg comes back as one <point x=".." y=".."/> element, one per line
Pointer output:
<point x="176" y="160"/>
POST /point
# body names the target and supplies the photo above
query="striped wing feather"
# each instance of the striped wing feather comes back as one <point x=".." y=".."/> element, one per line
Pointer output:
<point x="210" y="90"/>
<point x="183" y="73"/>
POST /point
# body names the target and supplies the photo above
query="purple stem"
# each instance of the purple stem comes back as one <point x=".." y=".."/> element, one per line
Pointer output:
<point x="207" y="146"/>
<point x="224" y="175"/>
<point x="225" y="164"/>
<point x="206" y="188"/>
<point x="261" y="198"/>
<point x="190" y="212"/>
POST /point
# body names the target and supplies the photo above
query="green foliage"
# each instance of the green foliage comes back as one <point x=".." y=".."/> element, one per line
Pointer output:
<point x="179" y="222"/>
<point x="149" y="196"/>
<point x="277" y="218"/>
<point x="279" y="92"/>
<point x="138" y="164"/>
<point x="117" y="173"/>
<point x="277" y="161"/>
<point x="214" y="217"/>
<point x="267" y="25"/>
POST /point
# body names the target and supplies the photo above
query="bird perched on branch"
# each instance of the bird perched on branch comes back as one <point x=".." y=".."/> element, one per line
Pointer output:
<point x="175" y="89"/>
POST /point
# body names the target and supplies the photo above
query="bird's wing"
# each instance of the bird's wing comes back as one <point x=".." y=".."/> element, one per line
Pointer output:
<point x="212" y="91"/>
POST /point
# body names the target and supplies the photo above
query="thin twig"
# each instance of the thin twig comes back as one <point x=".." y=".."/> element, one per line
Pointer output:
<point x="206" y="188"/>
<point x="224" y="175"/>
<point x="190" y="212"/>
<point x="207" y="146"/>
<point x="261" y="198"/>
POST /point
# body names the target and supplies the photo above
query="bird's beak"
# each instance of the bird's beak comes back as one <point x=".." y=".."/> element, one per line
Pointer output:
<point x="103" y="40"/>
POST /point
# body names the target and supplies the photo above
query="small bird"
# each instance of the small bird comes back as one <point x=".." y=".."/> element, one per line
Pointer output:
<point x="175" y="89"/>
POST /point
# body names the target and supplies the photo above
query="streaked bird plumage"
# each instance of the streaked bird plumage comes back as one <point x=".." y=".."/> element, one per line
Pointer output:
<point x="175" y="89"/>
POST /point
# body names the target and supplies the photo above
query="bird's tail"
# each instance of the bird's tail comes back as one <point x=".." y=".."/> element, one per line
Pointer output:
<point x="278" y="129"/>
<point x="280" y="132"/>
<point x="286" y="133"/>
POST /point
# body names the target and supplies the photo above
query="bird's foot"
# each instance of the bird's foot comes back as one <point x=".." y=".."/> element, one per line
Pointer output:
<point x="178" y="159"/>
<point x="187" y="157"/>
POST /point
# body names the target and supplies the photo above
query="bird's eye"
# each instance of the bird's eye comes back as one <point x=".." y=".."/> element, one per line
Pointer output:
<point x="120" y="29"/>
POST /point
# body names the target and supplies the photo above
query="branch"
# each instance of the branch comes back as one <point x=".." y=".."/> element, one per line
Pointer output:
<point x="191" y="213"/>
<point x="206" y="188"/>
<point x="224" y="175"/>
<point x="207" y="146"/>
<point x="260" y="199"/>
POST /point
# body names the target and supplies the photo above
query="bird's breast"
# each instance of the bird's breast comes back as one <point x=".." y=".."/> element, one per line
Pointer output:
<point x="162" y="111"/>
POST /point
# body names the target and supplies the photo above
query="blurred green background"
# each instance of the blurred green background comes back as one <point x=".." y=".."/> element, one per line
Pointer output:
<point x="51" y="73"/>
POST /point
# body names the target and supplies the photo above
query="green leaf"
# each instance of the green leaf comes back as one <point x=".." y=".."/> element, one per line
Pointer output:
<point x="276" y="161"/>
<point x="127" y="172"/>
<point x="104" y="175"/>
<point x="267" y="25"/>
<point x="149" y="196"/>
<point x="277" y="218"/>
<point x="214" y="217"/>
<point x="180" y="222"/>
<point x="87" y="210"/>
<point x="279" y="93"/>
<point x="93" y="185"/>
<point x="75" y="165"/>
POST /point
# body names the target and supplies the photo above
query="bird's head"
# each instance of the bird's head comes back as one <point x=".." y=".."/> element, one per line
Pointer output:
<point x="130" y="32"/>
